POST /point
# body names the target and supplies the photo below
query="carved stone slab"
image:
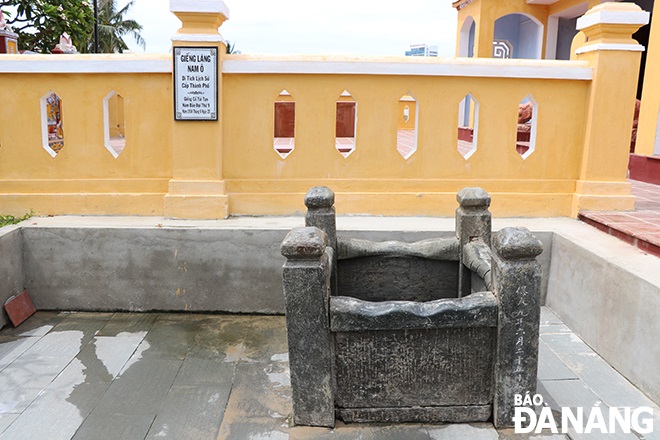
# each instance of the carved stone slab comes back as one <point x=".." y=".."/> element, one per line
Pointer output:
<point x="437" y="367"/>
<point x="350" y="314"/>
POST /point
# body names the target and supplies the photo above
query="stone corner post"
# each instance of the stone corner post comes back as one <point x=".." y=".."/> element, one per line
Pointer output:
<point x="473" y="222"/>
<point x="517" y="285"/>
<point x="306" y="280"/>
<point x="320" y="201"/>
<point x="197" y="187"/>
<point x="614" y="56"/>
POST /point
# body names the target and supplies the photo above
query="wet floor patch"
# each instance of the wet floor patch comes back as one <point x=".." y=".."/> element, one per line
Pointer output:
<point x="193" y="376"/>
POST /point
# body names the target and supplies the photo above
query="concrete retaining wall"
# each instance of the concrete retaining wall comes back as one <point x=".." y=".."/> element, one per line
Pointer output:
<point x="11" y="267"/>
<point x="608" y="293"/>
<point x="174" y="269"/>
<point x="140" y="269"/>
<point x="154" y="269"/>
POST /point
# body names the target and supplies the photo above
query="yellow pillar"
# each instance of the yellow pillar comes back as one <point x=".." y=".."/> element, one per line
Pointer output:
<point x="648" y="134"/>
<point x="615" y="57"/>
<point x="197" y="188"/>
<point x="483" y="27"/>
<point x="484" y="31"/>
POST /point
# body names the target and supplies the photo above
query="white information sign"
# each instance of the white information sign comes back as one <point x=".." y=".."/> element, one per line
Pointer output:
<point x="196" y="83"/>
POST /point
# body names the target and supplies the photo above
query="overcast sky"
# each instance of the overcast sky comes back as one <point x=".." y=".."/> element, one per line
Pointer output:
<point x="339" y="27"/>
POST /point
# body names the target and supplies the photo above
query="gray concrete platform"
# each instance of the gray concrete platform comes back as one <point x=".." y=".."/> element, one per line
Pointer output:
<point x="605" y="290"/>
<point x="197" y="376"/>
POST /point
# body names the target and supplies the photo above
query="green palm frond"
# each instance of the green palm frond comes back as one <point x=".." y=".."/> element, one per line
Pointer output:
<point x="113" y="28"/>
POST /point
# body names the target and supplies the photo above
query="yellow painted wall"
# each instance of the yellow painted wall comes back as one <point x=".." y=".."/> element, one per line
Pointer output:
<point x="473" y="11"/>
<point x="562" y="5"/>
<point x="433" y="173"/>
<point x="84" y="166"/>
<point x="209" y="169"/>
<point x="649" y="113"/>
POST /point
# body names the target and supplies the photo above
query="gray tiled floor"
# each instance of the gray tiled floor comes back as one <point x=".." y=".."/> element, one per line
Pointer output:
<point x="151" y="376"/>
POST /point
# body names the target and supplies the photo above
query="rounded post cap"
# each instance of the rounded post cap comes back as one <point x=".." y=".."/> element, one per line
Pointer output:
<point x="517" y="244"/>
<point x="319" y="197"/>
<point x="304" y="243"/>
<point x="473" y="197"/>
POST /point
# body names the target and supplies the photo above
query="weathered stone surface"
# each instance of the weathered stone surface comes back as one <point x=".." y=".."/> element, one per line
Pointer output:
<point x="436" y="367"/>
<point x="517" y="244"/>
<point x="473" y="223"/>
<point x="431" y="414"/>
<point x="397" y="278"/>
<point x="517" y="284"/>
<point x="403" y="350"/>
<point x="321" y="212"/>
<point x="304" y="243"/>
<point x="306" y="291"/>
<point x="433" y="249"/>
<point x="477" y="258"/>
<point x="393" y="270"/>
<point x="319" y="197"/>
<point x="350" y="314"/>
<point x="473" y="197"/>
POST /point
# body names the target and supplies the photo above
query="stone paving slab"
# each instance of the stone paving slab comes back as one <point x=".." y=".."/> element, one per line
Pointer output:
<point x="180" y="417"/>
<point x="210" y="372"/>
<point x="179" y="376"/>
<point x="38" y="325"/>
<point x="6" y="420"/>
<point x="114" y="427"/>
<point x="551" y="367"/>
<point x="612" y="388"/>
<point x="25" y="378"/>
<point x="11" y="347"/>
<point x="58" y="412"/>
<point x="568" y="393"/>
<point x="141" y="388"/>
<point x="125" y="324"/>
<point x="565" y="343"/>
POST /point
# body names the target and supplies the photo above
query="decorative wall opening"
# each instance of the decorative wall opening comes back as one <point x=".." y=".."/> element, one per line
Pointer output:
<point x="284" y="124"/>
<point x="52" y="128"/>
<point x="468" y="124"/>
<point x="114" y="123"/>
<point x="406" y="133"/>
<point x="527" y="122"/>
<point x="345" y="124"/>
<point x="517" y="36"/>
<point x="466" y="47"/>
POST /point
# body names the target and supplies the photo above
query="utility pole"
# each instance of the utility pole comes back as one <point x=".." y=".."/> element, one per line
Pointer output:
<point x="96" y="26"/>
